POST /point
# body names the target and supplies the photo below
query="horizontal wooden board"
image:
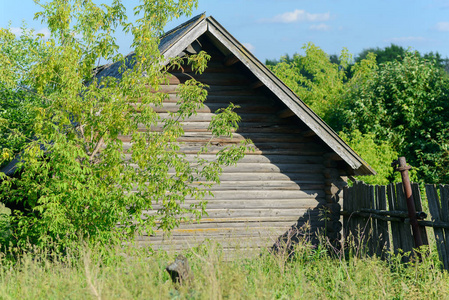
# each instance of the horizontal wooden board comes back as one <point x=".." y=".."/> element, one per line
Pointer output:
<point x="250" y="158"/>
<point x="257" y="137"/>
<point x="253" y="213"/>
<point x="245" y="117"/>
<point x="229" y="232"/>
<point x="259" y="148"/>
<point x="267" y="185"/>
<point x="265" y="158"/>
<point x="243" y="203"/>
<point x="261" y="185"/>
<point x="267" y="168"/>
<point x="241" y="226"/>
<point x="170" y="243"/>
<point x="303" y="177"/>
<point x="236" y="225"/>
<point x="270" y="176"/>
<point x="244" y="100"/>
<point x="214" y="90"/>
<point x="233" y="90"/>
<point x="215" y="66"/>
<point x="260" y="219"/>
<point x="267" y="194"/>
<point x="266" y="232"/>
<point x="226" y="79"/>
<point x="273" y="168"/>
<point x="244" y="127"/>
<point x="210" y="107"/>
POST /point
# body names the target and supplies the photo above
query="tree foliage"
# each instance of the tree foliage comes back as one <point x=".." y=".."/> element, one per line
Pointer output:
<point x="398" y="107"/>
<point x="405" y="103"/>
<point x="313" y="76"/>
<point x="18" y="105"/>
<point x="77" y="178"/>
<point x="396" y="52"/>
<point x="378" y="155"/>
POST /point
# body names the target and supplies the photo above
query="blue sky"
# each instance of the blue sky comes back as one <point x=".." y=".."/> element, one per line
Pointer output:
<point x="272" y="28"/>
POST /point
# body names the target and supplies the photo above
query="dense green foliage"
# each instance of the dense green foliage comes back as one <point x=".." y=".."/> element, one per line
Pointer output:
<point x="396" y="107"/>
<point x="18" y="106"/>
<point x="311" y="274"/>
<point x="405" y="103"/>
<point x="77" y="179"/>
<point x="394" y="52"/>
<point x="319" y="81"/>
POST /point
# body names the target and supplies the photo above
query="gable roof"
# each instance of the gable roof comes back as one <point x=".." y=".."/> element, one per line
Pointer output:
<point x="178" y="39"/>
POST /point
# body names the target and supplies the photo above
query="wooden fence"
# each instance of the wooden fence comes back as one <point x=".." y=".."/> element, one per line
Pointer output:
<point x="377" y="217"/>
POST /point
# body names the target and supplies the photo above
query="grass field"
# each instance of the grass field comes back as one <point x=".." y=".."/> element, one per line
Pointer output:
<point x="138" y="274"/>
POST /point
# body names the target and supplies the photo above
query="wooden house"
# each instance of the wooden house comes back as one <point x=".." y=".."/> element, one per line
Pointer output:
<point x="299" y="165"/>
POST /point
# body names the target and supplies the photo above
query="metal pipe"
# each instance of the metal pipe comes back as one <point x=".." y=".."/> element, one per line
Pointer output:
<point x="403" y="168"/>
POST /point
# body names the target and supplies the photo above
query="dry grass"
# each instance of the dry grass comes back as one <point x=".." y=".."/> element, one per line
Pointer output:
<point x="138" y="274"/>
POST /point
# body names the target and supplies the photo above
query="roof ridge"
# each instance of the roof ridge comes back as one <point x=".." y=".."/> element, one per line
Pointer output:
<point x="185" y="24"/>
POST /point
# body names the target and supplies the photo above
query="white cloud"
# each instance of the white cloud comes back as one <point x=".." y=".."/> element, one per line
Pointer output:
<point x="407" y="39"/>
<point x="442" y="26"/>
<point x="249" y="46"/>
<point x="18" y="31"/>
<point x="298" y="15"/>
<point x="45" y="31"/>
<point x="319" y="27"/>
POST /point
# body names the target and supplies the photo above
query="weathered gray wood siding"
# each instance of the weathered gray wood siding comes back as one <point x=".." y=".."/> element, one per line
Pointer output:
<point x="283" y="183"/>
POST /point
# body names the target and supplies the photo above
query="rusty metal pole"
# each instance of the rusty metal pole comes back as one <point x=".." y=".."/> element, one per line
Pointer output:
<point x="403" y="168"/>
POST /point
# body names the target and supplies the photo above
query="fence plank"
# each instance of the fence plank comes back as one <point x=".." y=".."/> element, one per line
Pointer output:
<point x="444" y="194"/>
<point x="391" y="195"/>
<point x="434" y="207"/>
<point x="354" y="221"/>
<point x="418" y="206"/>
<point x="346" y="198"/>
<point x="384" y="237"/>
<point x="364" y="227"/>
<point x="371" y="230"/>
<point x="351" y="222"/>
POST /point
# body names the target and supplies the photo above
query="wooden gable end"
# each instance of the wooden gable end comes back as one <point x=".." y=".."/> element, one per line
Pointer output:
<point x="283" y="184"/>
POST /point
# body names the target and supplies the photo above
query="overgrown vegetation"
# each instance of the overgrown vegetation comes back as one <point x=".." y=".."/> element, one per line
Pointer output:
<point x="135" y="274"/>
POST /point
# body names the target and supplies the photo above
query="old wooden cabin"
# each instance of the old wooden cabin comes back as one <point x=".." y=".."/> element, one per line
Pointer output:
<point x="299" y="165"/>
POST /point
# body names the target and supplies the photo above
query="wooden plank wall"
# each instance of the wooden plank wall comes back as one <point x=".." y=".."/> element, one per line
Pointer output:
<point x="281" y="182"/>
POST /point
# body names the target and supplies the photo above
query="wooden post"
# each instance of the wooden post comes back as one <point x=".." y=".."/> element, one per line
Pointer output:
<point x="403" y="168"/>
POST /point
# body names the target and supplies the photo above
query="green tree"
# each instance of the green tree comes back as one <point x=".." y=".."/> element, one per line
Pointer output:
<point x="382" y="110"/>
<point x="396" y="52"/>
<point x="18" y="105"/>
<point x="389" y="53"/>
<point x="319" y="82"/>
<point x="378" y="155"/>
<point x="77" y="180"/>
<point x="405" y="104"/>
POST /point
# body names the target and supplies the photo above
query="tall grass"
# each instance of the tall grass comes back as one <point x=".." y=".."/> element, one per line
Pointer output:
<point x="132" y="273"/>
